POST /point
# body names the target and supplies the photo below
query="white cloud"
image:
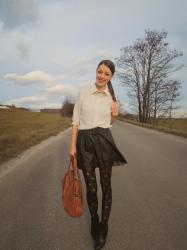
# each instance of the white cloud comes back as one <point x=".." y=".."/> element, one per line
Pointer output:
<point x="36" y="76"/>
<point x="49" y="97"/>
<point x="28" y="100"/>
<point x="62" y="89"/>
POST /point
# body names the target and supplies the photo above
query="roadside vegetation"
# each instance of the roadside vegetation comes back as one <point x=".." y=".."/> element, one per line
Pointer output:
<point x="21" y="129"/>
<point x="176" y="126"/>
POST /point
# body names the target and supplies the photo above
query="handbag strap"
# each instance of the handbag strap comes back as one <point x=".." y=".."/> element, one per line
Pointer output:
<point x="73" y="161"/>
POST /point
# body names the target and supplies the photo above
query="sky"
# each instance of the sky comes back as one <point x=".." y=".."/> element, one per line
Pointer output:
<point x="51" y="49"/>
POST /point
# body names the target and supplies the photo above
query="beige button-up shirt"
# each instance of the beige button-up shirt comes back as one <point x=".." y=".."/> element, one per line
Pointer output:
<point x="93" y="108"/>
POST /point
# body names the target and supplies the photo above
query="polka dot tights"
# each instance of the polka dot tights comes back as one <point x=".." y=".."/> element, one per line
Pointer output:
<point x="91" y="194"/>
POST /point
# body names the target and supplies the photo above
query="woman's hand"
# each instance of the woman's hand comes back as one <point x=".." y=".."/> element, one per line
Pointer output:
<point x="115" y="109"/>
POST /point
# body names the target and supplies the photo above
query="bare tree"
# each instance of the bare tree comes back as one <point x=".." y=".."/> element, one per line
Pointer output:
<point x="67" y="107"/>
<point x="163" y="95"/>
<point x="174" y="94"/>
<point x="145" y="68"/>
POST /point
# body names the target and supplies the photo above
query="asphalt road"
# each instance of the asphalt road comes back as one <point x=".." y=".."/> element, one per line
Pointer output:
<point x="149" y="209"/>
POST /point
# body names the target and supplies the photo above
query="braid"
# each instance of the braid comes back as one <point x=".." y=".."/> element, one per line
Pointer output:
<point x="111" y="90"/>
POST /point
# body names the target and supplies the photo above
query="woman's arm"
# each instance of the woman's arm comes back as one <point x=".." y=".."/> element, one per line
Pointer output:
<point x="75" y="126"/>
<point x="115" y="111"/>
<point x="74" y="132"/>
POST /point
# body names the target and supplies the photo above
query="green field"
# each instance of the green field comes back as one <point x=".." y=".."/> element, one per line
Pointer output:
<point x="21" y="129"/>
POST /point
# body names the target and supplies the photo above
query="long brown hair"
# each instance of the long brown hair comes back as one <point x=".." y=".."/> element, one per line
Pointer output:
<point x="111" y="66"/>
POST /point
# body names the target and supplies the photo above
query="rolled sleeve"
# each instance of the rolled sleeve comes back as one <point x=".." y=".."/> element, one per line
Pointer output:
<point x="76" y="112"/>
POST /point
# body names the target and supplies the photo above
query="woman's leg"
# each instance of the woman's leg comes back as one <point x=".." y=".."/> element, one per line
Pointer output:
<point x="91" y="185"/>
<point x="105" y="180"/>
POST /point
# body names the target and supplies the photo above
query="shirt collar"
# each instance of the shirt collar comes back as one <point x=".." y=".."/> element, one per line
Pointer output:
<point x="94" y="89"/>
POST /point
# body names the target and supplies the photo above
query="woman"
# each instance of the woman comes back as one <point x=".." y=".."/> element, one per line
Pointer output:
<point x="96" y="108"/>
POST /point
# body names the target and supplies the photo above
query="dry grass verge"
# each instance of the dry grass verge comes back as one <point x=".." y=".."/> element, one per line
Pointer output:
<point x="21" y="129"/>
<point x="174" y="126"/>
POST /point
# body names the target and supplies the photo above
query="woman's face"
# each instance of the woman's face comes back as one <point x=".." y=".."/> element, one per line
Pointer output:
<point x="103" y="75"/>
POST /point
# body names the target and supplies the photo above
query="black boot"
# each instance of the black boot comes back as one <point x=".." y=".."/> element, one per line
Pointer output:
<point x="102" y="236"/>
<point x="95" y="227"/>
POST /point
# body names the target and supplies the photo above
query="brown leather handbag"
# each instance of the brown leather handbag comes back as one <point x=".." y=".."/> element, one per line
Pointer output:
<point x="72" y="195"/>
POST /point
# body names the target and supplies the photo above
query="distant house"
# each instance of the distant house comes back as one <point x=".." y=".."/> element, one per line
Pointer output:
<point x="12" y="107"/>
<point x="4" y="106"/>
<point x="34" y="110"/>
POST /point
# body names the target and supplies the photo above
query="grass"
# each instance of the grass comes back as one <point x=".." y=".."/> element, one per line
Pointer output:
<point x="177" y="126"/>
<point x="20" y="129"/>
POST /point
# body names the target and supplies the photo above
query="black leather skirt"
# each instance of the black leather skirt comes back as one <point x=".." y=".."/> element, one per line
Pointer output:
<point x="97" y="148"/>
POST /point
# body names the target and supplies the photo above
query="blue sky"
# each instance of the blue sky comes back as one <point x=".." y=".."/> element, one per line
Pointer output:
<point x="50" y="49"/>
